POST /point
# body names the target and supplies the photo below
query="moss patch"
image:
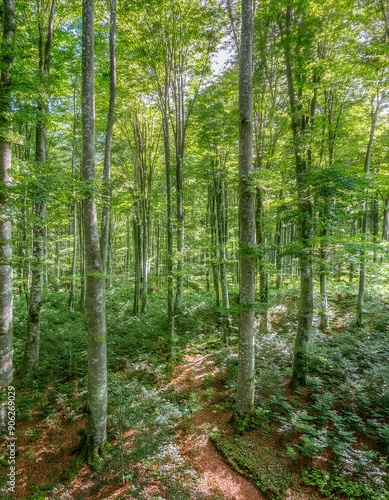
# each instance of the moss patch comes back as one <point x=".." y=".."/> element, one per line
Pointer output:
<point x="260" y="463"/>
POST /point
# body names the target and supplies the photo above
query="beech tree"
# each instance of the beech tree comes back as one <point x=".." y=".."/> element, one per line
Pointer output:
<point x="106" y="219"/>
<point x="96" y="426"/>
<point x="302" y="111"/>
<point x="6" y="271"/>
<point x="246" y="379"/>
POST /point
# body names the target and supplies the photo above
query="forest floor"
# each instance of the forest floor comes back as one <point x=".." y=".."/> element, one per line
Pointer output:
<point x="46" y="457"/>
<point x="170" y="435"/>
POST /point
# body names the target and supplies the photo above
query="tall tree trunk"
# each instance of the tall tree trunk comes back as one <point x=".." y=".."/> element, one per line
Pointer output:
<point x="169" y="230"/>
<point x="385" y="225"/>
<point x="214" y="244"/>
<point x="375" y="107"/>
<point x="324" y="314"/>
<point x="136" y="229"/>
<point x="246" y="366"/>
<point x="222" y="215"/>
<point x="31" y="354"/>
<point x="105" y="219"/>
<point x="96" y="425"/>
<point x="302" y="124"/>
<point x="263" y="277"/>
<point x="145" y="253"/>
<point x="6" y="271"/>
<point x="72" y="292"/>
<point x="82" y="303"/>
<point x="179" y="136"/>
<point x="278" y="253"/>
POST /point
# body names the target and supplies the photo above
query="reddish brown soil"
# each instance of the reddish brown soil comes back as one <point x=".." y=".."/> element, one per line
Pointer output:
<point x="216" y="477"/>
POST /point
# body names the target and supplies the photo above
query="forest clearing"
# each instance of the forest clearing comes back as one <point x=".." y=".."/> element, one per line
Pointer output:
<point x="194" y="228"/>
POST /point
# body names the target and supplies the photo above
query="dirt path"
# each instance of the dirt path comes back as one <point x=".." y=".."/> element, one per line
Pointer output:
<point x="217" y="478"/>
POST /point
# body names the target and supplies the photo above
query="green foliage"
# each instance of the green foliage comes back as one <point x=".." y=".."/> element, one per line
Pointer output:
<point x="335" y="485"/>
<point x="58" y="328"/>
<point x="254" y="461"/>
<point x="258" y="420"/>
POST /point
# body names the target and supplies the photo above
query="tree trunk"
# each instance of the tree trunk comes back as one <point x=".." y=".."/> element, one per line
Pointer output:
<point x="223" y="238"/>
<point x="105" y="219"/>
<point x="72" y="292"/>
<point x="263" y="278"/>
<point x="82" y="303"/>
<point x="375" y="107"/>
<point x="246" y="366"/>
<point x="278" y="254"/>
<point x="324" y="257"/>
<point x="137" y="263"/>
<point x="385" y="225"/>
<point x="96" y="425"/>
<point x="302" y="124"/>
<point x="179" y="139"/>
<point x="169" y="230"/>
<point x="6" y="270"/>
<point x="145" y="255"/>
<point x="31" y="354"/>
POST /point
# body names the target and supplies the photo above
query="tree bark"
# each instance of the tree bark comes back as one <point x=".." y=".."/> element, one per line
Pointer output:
<point x="6" y="269"/>
<point x="106" y="216"/>
<point x="246" y="365"/>
<point x="96" y="425"/>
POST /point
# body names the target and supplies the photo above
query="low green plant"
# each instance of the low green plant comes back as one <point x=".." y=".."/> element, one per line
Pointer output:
<point x="337" y="485"/>
<point x="258" y="462"/>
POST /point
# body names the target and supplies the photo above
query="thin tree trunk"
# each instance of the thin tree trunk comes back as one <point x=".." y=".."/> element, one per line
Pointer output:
<point x="223" y="239"/>
<point x="82" y="304"/>
<point x="145" y="257"/>
<point x="375" y="107"/>
<point x="278" y="254"/>
<point x="96" y="425"/>
<point x="179" y="137"/>
<point x="374" y="221"/>
<point x="246" y="365"/>
<point x="72" y="293"/>
<point x="214" y="243"/>
<point x="6" y="270"/>
<point x="105" y="219"/>
<point x="324" y="314"/>
<point x="57" y="260"/>
<point x="385" y="225"/>
<point x="263" y="278"/>
<point x="301" y="124"/>
<point x="136" y="230"/>
<point x="31" y="354"/>
<point x="169" y="232"/>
